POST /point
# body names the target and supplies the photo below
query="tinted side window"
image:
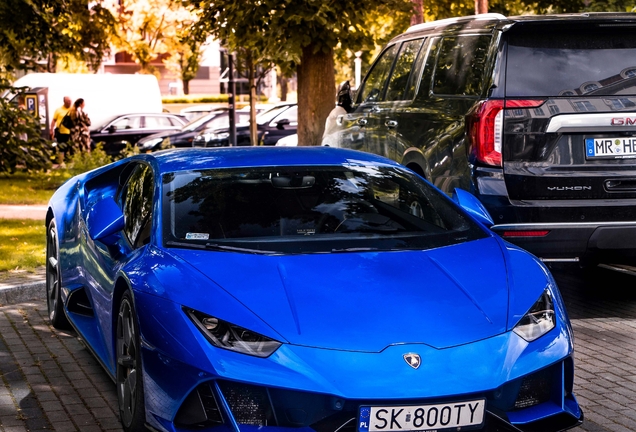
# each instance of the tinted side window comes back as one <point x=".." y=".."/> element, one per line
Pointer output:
<point x="460" y="65"/>
<point x="137" y="205"/>
<point x="373" y="86"/>
<point x="128" y="123"/>
<point x="403" y="73"/>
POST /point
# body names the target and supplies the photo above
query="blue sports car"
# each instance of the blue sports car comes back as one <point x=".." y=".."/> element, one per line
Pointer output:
<point x="315" y="289"/>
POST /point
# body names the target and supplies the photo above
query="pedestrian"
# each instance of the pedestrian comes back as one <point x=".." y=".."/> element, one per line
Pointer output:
<point x="343" y="106"/>
<point x="58" y="132"/>
<point x="80" y="133"/>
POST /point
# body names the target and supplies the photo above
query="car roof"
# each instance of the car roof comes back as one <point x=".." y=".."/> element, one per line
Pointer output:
<point x="188" y="159"/>
<point x="490" y="20"/>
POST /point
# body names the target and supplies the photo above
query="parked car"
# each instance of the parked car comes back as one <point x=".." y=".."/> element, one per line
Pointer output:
<point x="272" y="124"/>
<point x="193" y="113"/>
<point x="288" y="141"/>
<point x="121" y="130"/>
<point x="185" y="136"/>
<point x="311" y="288"/>
<point x="534" y="114"/>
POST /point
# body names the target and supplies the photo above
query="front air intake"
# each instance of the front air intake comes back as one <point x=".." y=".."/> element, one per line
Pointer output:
<point x="535" y="389"/>
<point x="249" y="404"/>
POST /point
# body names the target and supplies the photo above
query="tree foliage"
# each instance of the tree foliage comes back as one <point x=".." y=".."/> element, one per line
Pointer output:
<point x="149" y="29"/>
<point x="21" y="143"/>
<point x="302" y="33"/>
<point x="33" y="33"/>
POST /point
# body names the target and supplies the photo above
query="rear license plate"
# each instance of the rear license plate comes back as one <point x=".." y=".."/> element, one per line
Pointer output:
<point x="437" y="417"/>
<point x="616" y="148"/>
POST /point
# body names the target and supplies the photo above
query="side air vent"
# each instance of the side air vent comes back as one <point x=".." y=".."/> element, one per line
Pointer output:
<point x="78" y="303"/>
<point x="199" y="410"/>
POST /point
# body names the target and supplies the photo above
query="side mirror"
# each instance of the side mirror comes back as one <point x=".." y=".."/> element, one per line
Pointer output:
<point x="280" y="124"/>
<point x="105" y="219"/>
<point x="468" y="202"/>
<point x="112" y="129"/>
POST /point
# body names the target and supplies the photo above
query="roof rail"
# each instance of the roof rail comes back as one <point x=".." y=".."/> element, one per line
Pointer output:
<point x="447" y="21"/>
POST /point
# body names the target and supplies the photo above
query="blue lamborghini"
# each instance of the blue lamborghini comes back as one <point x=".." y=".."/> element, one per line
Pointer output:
<point x="313" y="289"/>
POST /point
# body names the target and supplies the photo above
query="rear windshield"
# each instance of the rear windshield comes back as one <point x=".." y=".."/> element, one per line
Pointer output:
<point x="572" y="62"/>
<point x="309" y="210"/>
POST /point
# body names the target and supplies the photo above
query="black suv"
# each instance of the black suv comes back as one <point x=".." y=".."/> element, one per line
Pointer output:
<point x="536" y="115"/>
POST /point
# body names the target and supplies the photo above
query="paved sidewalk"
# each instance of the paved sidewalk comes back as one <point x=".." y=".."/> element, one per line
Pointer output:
<point x="23" y="211"/>
<point x="49" y="381"/>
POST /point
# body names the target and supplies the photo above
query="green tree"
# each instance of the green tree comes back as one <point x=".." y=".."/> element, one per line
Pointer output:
<point x="147" y="29"/>
<point x="21" y="143"/>
<point x="301" y="32"/>
<point x="185" y="56"/>
<point x="34" y="33"/>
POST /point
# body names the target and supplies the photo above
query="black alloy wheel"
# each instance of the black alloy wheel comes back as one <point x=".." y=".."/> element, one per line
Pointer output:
<point x="54" y="280"/>
<point x="130" y="392"/>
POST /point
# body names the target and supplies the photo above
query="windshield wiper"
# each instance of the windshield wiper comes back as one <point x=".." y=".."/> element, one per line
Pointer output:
<point x="358" y="249"/>
<point x="215" y="246"/>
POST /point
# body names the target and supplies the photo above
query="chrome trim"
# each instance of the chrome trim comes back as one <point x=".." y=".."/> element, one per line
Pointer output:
<point x="561" y="225"/>
<point x="588" y="122"/>
<point x="555" y="260"/>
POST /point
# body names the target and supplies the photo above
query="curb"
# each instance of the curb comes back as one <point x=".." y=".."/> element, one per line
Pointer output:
<point x="13" y="294"/>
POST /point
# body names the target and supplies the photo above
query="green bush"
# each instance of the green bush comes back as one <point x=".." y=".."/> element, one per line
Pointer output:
<point x="218" y="98"/>
<point x="83" y="161"/>
<point x="22" y="147"/>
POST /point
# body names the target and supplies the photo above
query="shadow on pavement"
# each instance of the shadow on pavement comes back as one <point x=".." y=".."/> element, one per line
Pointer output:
<point x="596" y="293"/>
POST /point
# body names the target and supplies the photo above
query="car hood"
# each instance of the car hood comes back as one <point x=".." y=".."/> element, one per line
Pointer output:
<point x="368" y="301"/>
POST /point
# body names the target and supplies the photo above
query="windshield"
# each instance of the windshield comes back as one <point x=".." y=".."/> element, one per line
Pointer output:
<point x="267" y="116"/>
<point x="309" y="210"/>
<point x="572" y="62"/>
<point x="198" y="123"/>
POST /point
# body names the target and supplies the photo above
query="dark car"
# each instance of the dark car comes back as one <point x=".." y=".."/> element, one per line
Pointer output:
<point x="122" y="130"/>
<point x="536" y="115"/>
<point x="272" y="124"/>
<point x="184" y="137"/>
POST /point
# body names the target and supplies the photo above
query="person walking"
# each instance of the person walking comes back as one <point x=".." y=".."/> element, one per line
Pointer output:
<point x="80" y="133"/>
<point x="58" y="132"/>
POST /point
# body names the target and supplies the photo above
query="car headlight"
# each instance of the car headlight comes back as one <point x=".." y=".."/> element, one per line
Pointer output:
<point x="539" y="320"/>
<point x="147" y="145"/>
<point x="215" y="136"/>
<point x="223" y="334"/>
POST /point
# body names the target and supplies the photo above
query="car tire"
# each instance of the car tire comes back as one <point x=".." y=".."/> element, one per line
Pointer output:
<point x="129" y="378"/>
<point x="54" y="280"/>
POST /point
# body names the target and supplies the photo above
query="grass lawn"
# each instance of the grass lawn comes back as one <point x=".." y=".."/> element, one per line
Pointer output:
<point x="22" y="244"/>
<point x="22" y="188"/>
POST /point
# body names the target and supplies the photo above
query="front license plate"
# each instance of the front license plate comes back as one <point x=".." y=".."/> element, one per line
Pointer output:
<point x="617" y="148"/>
<point x="421" y="417"/>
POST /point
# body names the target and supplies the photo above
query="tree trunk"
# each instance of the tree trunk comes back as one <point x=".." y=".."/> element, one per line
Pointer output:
<point x="252" y="85"/>
<point x="186" y="87"/>
<point x="481" y="7"/>
<point x="418" y="14"/>
<point x="283" y="88"/>
<point x="316" y="94"/>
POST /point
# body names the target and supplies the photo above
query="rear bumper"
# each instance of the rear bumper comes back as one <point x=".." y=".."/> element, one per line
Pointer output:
<point x="573" y="241"/>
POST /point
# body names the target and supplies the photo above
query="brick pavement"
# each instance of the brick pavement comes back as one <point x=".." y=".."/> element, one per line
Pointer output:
<point x="50" y="381"/>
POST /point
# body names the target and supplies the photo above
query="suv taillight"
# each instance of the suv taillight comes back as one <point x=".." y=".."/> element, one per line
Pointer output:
<point x="486" y="127"/>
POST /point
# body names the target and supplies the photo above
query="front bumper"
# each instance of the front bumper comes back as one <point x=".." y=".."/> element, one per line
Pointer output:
<point x="190" y="385"/>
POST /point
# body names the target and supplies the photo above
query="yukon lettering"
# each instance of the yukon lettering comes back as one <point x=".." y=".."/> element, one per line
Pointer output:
<point x="569" y="188"/>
